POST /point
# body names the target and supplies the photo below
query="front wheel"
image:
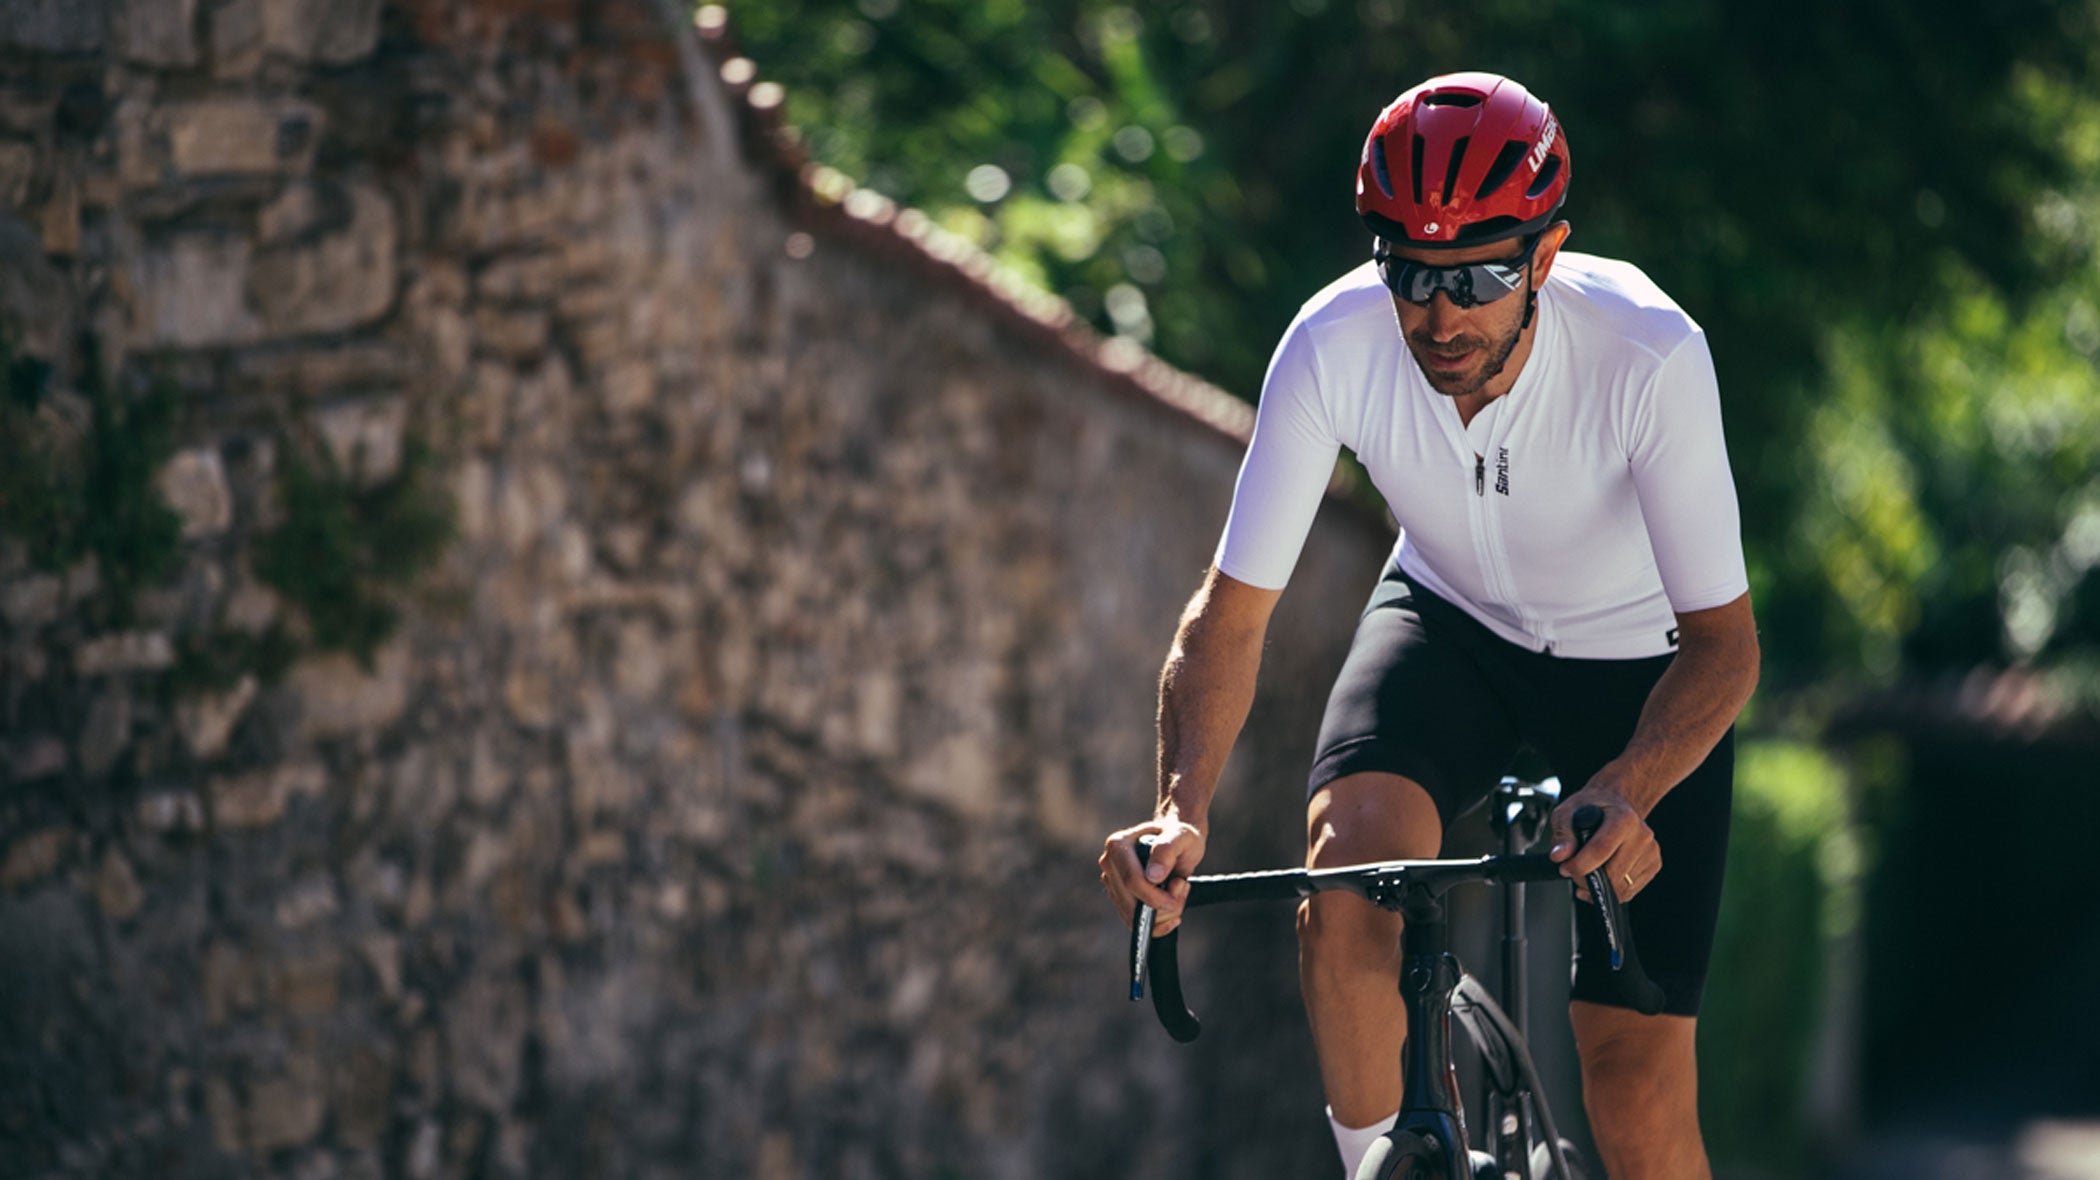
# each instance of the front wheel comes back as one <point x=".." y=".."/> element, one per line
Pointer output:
<point x="1402" y="1155"/>
<point x="1542" y="1163"/>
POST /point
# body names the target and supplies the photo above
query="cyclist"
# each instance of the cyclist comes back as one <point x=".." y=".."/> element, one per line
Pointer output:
<point x="1546" y="428"/>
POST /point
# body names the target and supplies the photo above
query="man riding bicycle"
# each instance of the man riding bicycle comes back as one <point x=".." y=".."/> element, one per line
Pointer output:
<point x="1546" y="428"/>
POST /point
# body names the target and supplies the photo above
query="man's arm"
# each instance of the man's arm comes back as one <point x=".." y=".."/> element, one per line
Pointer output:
<point x="1691" y="706"/>
<point x="1205" y="692"/>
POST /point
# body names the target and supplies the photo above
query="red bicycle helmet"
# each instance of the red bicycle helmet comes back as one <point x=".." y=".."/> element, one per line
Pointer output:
<point x="1461" y="160"/>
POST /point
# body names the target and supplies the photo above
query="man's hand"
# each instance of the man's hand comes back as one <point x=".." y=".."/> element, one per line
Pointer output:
<point x="1624" y="846"/>
<point x="1163" y="883"/>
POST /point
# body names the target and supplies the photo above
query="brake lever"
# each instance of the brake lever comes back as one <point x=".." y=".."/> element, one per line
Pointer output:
<point x="1141" y="928"/>
<point x="1586" y="822"/>
<point x="1158" y="956"/>
<point x="1633" y="981"/>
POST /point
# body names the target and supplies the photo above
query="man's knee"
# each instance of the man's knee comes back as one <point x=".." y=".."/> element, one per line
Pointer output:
<point x="1640" y="1085"/>
<point x="1353" y="820"/>
<point x="1647" y="1057"/>
<point x="1368" y="817"/>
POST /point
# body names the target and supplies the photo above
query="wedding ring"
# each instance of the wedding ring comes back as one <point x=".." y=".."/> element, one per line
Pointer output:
<point x="1628" y="878"/>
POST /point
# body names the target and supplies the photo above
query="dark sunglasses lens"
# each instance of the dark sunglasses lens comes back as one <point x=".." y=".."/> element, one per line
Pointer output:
<point x="1467" y="286"/>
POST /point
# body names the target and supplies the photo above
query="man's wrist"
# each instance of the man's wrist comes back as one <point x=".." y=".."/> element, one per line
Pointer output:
<point x="1193" y="817"/>
<point x="1626" y="781"/>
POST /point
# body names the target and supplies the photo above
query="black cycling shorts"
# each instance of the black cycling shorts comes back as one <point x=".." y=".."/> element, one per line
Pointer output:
<point x="1430" y="694"/>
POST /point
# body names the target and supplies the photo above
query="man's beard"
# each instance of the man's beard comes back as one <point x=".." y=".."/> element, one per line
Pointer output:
<point x="1498" y="358"/>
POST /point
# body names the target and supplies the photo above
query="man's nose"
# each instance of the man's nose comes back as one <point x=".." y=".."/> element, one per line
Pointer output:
<point x="1446" y="319"/>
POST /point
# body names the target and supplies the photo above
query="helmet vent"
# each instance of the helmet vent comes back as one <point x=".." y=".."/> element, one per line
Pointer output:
<point x="1415" y="173"/>
<point x="1458" y="157"/>
<point x="1451" y="98"/>
<point x="1512" y="154"/>
<point x="1544" y="182"/>
<point x="1379" y="169"/>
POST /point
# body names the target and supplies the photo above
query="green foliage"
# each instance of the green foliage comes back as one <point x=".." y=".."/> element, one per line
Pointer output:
<point x="68" y="493"/>
<point x="217" y="660"/>
<point x="1792" y="889"/>
<point x="342" y="551"/>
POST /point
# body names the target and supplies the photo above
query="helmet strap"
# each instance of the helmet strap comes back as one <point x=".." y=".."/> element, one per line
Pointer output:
<point x="1531" y="297"/>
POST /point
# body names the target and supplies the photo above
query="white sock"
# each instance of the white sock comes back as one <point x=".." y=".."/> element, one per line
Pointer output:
<point x="1355" y="1142"/>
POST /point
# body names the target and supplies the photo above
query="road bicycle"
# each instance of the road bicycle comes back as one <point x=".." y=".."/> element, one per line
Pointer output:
<point x="1429" y="1139"/>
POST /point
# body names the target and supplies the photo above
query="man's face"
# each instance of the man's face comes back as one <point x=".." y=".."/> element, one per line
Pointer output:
<point x="1461" y="349"/>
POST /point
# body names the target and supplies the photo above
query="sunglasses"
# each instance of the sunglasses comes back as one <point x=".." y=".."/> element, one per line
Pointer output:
<point x="1468" y="285"/>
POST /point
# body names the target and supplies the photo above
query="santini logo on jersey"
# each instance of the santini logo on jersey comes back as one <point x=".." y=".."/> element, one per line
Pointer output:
<point x="1502" y="471"/>
<point x="1545" y="144"/>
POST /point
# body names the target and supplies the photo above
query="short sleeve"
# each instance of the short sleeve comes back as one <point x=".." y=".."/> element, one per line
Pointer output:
<point x="1687" y="494"/>
<point x="1285" y="475"/>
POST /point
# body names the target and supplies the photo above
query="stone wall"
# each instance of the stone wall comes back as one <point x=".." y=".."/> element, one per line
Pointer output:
<point x="725" y="801"/>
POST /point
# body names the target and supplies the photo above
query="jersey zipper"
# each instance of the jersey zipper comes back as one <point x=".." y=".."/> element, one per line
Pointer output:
<point x="1494" y="553"/>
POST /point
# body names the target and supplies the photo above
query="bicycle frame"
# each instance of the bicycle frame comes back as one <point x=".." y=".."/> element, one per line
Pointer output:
<point x="1433" y="984"/>
<point x="1431" y="980"/>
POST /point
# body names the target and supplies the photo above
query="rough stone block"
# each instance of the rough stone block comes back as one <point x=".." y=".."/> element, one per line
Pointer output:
<point x="340" y="698"/>
<point x="194" y="484"/>
<point x="363" y="1091"/>
<point x="237" y="38"/>
<point x="157" y="32"/>
<point x="193" y="293"/>
<point x="342" y="281"/>
<point x="54" y="26"/>
<point x="117" y="888"/>
<point x="35" y="856"/>
<point x="515" y="335"/>
<point x="33" y="602"/>
<point x="297" y="211"/>
<point x="17" y="174"/>
<point x="527" y="279"/>
<point x="382" y="953"/>
<point x="542" y="407"/>
<point x="166" y="812"/>
<point x="224" y="1109"/>
<point x="959" y="772"/>
<point x="286" y="1110"/>
<point x="629" y="388"/>
<point x="331" y="32"/>
<point x="528" y="693"/>
<point x="128" y="651"/>
<point x="253" y="607"/>
<point x="485" y="1040"/>
<point x="325" y="369"/>
<point x="485" y="407"/>
<point x="365" y="437"/>
<point x="310" y="985"/>
<point x="258" y="798"/>
<point x="473" y="489"/>
<point x="31" y="756"/>
<point x="451" y="342"/>
<point x="208" y="719"/>
<point x="307" y="901"/>
<point x="107" y="733"/>
<point x="242" y="136"/>
<point x="58" y="219"/>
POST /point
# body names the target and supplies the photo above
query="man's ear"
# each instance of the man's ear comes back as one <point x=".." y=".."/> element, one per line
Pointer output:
<point x="1548" y="249"/>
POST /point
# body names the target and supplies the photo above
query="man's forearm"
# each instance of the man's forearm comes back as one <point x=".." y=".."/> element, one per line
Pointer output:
<point x="1690" y="708"/>
<point x="1205" y="693"/>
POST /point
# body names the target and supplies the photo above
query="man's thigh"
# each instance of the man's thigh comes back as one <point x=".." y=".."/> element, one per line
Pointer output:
<point x="1411" y="703"/>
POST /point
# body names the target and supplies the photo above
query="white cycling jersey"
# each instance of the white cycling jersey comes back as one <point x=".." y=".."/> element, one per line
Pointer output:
<point x="1599" y="506"/>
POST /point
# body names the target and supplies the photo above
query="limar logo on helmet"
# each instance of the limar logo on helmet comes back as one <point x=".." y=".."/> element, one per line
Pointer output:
<point x="1545" y="144"/>
<point x="1429" y="228"/>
